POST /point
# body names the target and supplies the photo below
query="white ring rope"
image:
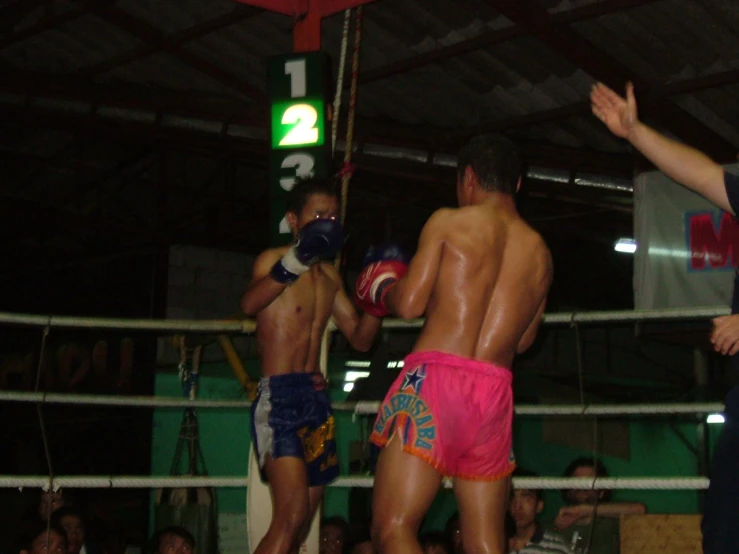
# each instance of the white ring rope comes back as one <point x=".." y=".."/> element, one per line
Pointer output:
<point x="362" y="407"/>
<point x="141" y="482"/>
<point x="248" y="326"/>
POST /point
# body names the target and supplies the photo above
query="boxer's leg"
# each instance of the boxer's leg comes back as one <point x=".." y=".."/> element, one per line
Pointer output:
<point x="482" y="509"/>
<point x="405" y="487"/>
<point x="288" y="482"/>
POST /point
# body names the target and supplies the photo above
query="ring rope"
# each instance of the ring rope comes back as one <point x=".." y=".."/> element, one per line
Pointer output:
<point x="361" y="407"/>
<point x="249" y="326"/>
<point x="141" y="482"/>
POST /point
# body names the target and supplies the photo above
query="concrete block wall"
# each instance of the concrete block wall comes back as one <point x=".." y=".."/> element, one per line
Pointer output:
<point x="204" y="283"/>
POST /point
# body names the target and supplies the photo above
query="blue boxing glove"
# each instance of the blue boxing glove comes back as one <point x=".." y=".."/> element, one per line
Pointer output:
<point x="318" y="240"/>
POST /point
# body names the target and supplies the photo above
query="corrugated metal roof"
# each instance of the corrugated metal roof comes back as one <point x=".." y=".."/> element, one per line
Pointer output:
<point x="661" y="42"/>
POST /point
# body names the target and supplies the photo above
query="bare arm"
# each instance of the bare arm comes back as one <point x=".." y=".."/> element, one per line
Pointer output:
<point x="616" y="509"/>
<point x="359" y="331"/>
<point x="529" y="336"/>
<point x="262" y="289"/>
<point x="688" y="166"/>
<point x="409" y="297"/>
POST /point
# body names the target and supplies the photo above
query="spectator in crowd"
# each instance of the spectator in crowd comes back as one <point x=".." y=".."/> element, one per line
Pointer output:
<point x="454" y="534"/>
<point x="50" y="502"/>
<point x="528" y="536"/>
<point x="173" y="540"/>
<point x="589" y="520"/>
<point x="435" y="542"/>
<point x="334" y="533"/>
<point x="42" y="538"/>
<point x="73" y="523"/>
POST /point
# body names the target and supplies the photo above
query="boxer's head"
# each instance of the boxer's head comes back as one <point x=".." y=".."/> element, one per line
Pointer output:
<point x="311" y="199"/>
<point x="487" y="164"/>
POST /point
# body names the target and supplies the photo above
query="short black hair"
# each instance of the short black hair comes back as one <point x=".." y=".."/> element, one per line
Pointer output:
<point x="35" y="530"/>
<point x="436" y="538"/>
<point x="496" y="162"/>
<point x="339" y="522"/>
<point x="298" y="197"/>
<point x="520" y="472"/>
<point x="585" y="461"/>
<point x="184" y="534"/>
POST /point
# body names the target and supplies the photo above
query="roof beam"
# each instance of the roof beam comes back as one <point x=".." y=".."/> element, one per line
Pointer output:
<point x="154" y="36"/>
<point x="573" y="47"/>
<point x="238" y="14"/>
<point x="491" y="38"/>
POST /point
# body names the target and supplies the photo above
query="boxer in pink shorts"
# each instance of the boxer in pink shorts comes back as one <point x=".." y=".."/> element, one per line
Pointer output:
<point x="452" y="412"/>
<point x="481" y="277"/>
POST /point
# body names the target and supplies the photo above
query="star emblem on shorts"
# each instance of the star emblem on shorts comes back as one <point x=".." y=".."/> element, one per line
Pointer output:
<point x="413" y="379"/>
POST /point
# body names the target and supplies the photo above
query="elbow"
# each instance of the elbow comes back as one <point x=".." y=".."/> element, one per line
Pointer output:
<point x="407" y="308"/>
<point x="247" y="306"/>
<point x="524" y="345"/>
<point x="361" y="345"/>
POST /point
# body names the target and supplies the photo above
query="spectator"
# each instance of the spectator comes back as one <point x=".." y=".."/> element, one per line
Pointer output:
<point x="529" y="537"/>
<point x="73" y="523"/>
<point x="43" y="539"/>
<point x="454" y="533"/>
<point x="589" y="522"/>
<point x="173" y="540"/>
<point x="334" y="532"/>
<point x="50" y="502"/>
<point x="435" y="542"/>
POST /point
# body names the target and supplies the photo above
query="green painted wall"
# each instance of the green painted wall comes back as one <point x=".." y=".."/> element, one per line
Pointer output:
<point x="655" y="450"/>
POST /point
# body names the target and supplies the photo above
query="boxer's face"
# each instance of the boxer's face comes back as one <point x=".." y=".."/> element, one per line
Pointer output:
<point x="318" y="206"/>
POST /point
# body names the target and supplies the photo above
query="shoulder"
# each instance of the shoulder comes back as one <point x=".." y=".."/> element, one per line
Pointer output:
<point x="330" y="271"/>
<point x="441" y="220"/>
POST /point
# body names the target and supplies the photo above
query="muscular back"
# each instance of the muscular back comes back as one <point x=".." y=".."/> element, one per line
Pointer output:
<point x="492" y="280"/>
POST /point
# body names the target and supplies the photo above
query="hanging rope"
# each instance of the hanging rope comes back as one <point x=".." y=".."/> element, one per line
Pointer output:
<point x="348" y="169"/>
<point x="340" y="80"/>
<point x="39" y="410"/>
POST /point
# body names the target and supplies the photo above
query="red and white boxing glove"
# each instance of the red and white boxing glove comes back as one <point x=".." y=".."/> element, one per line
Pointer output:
<point x="373" y="284"/>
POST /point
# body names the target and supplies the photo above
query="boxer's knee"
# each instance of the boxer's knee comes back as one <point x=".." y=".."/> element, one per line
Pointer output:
<point x="290" y="518"/>
<point x="390" y="530"/>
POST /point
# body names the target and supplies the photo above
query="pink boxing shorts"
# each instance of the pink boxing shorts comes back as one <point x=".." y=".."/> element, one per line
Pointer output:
<point x="454" y="413"/>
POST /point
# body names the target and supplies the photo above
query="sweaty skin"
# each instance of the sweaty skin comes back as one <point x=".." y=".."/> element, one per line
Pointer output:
<point x="481" y="275"/>
<point x="291" y="319"/>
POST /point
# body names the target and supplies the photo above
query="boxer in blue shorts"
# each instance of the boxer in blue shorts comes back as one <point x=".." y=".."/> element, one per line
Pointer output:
<point x="293" y="291"/>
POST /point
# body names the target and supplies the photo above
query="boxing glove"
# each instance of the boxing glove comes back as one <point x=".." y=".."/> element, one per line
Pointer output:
<point x="318" y="240"/>
<point x="387" y="265"/>
<point x="385" y="252"/>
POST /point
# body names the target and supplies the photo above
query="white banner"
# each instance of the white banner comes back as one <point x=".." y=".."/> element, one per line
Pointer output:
<point x="687" y="248"/>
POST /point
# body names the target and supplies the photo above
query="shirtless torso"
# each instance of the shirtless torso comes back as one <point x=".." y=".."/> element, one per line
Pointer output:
<point x="493" y="276"/>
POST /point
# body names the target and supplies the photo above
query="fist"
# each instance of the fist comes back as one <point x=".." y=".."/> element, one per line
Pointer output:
<point x="318" y="240"/>
<point x="373" y="284"/>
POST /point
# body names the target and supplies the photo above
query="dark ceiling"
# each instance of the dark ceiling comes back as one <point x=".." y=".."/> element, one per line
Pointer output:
<point x="130" y="126"/>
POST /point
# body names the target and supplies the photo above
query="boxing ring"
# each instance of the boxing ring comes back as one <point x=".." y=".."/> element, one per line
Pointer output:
<point x="164" y="327"/>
